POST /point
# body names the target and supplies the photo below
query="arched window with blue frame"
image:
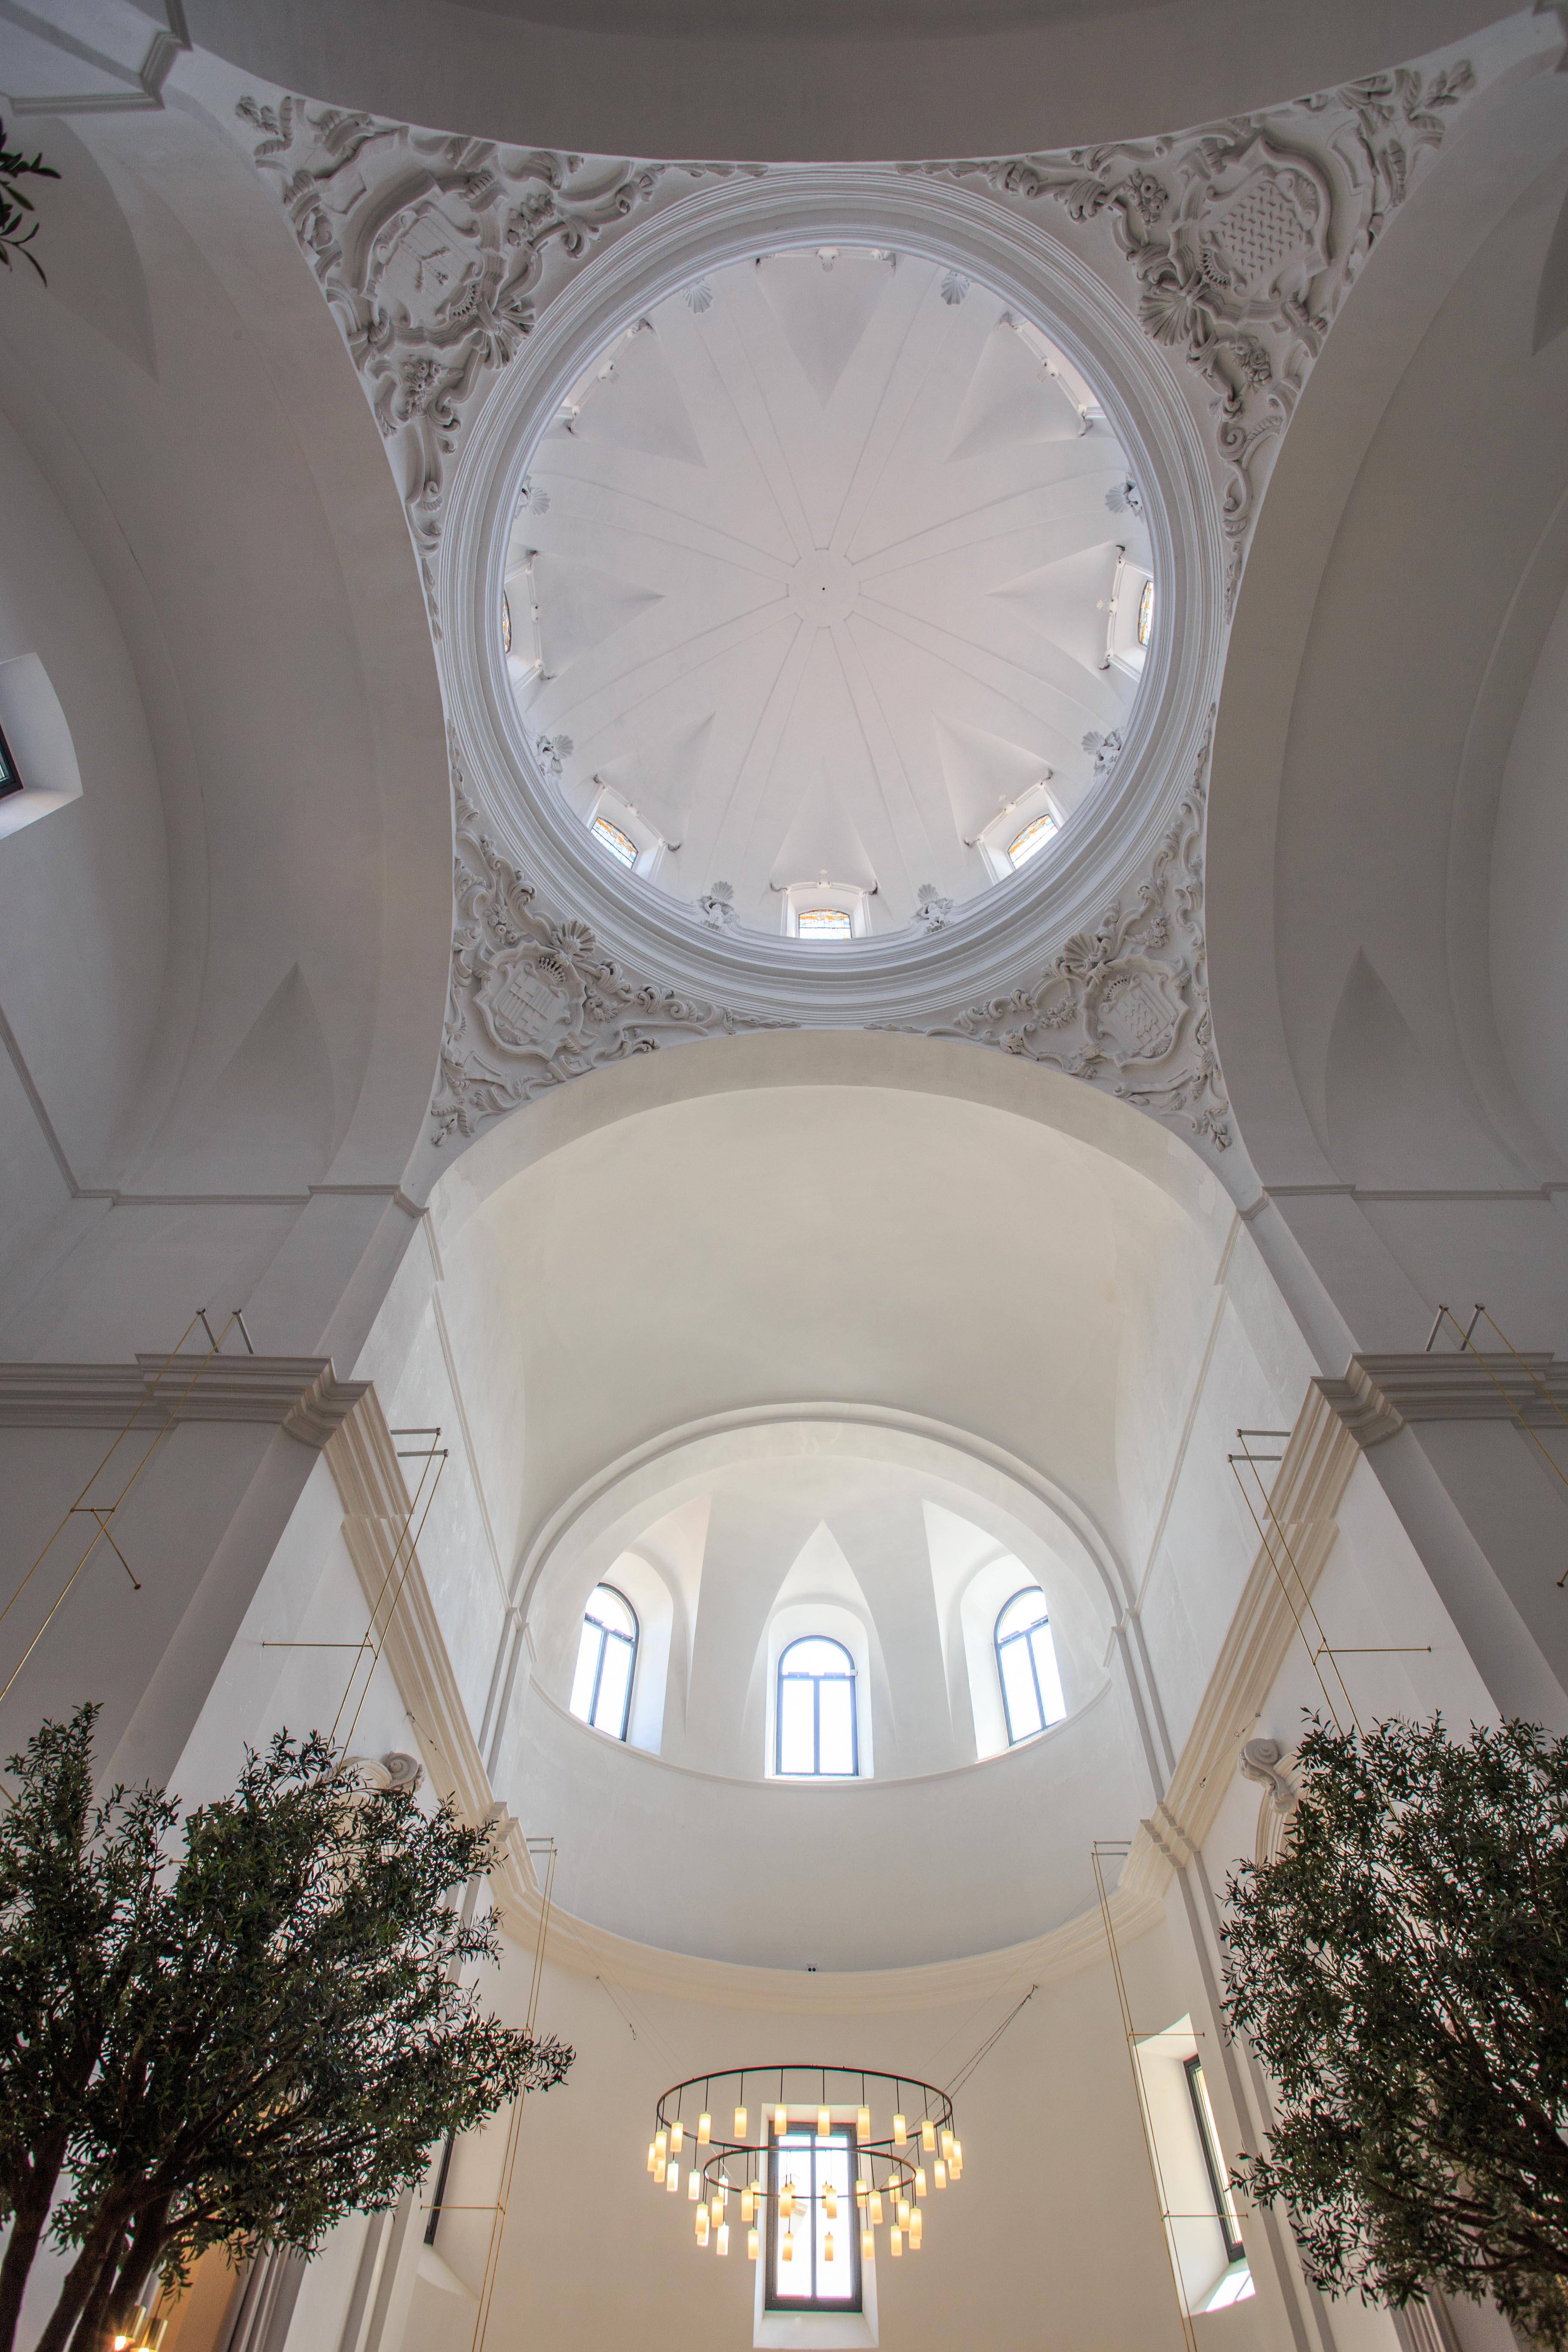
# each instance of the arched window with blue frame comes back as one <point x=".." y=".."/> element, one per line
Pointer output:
<point x="815" y="1734"/>
<point x="606" y="1661"/>
<point x="1026" y="1665"/>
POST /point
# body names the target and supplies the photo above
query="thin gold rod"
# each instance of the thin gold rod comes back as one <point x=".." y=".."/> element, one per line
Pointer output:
<point x="1295" y="1612"/>
<point x="1151" y="2152"/>
<point x="380" y="1641"/>
<point x="369" y="1642"/>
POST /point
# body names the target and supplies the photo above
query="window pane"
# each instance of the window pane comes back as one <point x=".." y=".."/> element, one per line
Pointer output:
<point x="796" y="1740"/>
<point x="614" y="1683"/>
<point x="1032" y="840"/>
<point x="823" y="923"/>
<point x="1044" y="1651"/>
<point x="816" y="1656"/>
<point x="1024" y="1717"/>
<point x="836" y="1721"/>
<point x="1025" y="1609"/>
<point x="588" y="1663"/>
<point x="834" y="2279"/>
<point x="606" y="1607"/>
<point x="611" y="838"/>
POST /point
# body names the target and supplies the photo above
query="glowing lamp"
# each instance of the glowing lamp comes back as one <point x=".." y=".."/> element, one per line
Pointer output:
<point x="702" y="2225"/>
<point x="662" y="2142"/>
<point x="750" y="2245"/>
<point x="672" y="2179"/>
<point x="717" y="2202"/>
<point x="786" y="2200"/>
<point x="693" y="2186"/>
<point x="781" y="2122"/>
<point x="704" y="2129"/>
<point x="904" y="2212"/>
<point x="955" y="2161"/>
<point x="867" y="2246"/>
<point x="824" y="2121"/>
<point x="863" y="2124"/>
<point x="928" y="2136"/>
<point x="748" y="2205"/>
<point x="830" y="2202"/>
<point x="723" y="2243"/>
<point x="895" y="2241"/>
<point x="939" y="2173"/>
<point x="917" y="2229"/>
<point x="874" y="2207"/>
<point x="659" y="2170"/>
<point x="739" y="2122"/>
<point x="900" y="2131"/>
<point x="827" y="2246"/>
<point x="920" y="2180"/>
<point x="786" y="2247"/>
<point x="676" y="2130"/>
<point x="652" y="2155"/>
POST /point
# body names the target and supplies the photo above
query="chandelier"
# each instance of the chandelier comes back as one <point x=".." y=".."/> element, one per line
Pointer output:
<point x="835" y="2150"/>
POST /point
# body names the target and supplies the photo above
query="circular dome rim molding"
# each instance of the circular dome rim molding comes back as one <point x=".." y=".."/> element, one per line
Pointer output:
<point x="994" y="938"/>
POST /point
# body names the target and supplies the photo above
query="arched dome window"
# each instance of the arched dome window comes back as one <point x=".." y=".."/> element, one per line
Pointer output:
<point x="1026" y="1662"/>
<point x="815" y="1716"/>
<point x="606" y="1661"/>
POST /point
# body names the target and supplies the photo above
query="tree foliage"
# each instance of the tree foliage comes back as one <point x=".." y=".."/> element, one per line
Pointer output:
<point x="18" y="231"/>
<point x="270" y="2031"/>
<point x="1402" y="1972"/>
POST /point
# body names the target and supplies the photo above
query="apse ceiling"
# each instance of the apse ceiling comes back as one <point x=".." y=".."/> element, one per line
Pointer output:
<point x="824" y="573"/>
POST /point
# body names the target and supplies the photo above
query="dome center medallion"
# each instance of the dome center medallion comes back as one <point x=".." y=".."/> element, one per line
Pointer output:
<point x="824" y="588"/>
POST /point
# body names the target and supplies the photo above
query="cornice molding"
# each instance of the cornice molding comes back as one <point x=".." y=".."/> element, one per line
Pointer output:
<point x="301" y="1395"/>
<point x="1379" y="1394"/>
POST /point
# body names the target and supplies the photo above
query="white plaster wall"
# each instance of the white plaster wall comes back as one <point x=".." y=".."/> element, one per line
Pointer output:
<point x="1528" y="925"/>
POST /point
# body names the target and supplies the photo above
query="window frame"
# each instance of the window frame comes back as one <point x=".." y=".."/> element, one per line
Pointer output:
<point x="855" y="2302"/>
<point x="1202" y="2116"/>
<point x="1025" y="1633"/>
<point x="851" y="1675"/>
<point x="608" y="1634"/>
<point x="10" y="774"/>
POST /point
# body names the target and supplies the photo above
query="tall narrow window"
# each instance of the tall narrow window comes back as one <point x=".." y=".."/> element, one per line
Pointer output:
<point x="1026" y="1662"/>
<point x="816" y="1736"/>
<point x="814" y="2251"/>
<point x="1219" y="2179"/>
<point x="606" y="1659"/>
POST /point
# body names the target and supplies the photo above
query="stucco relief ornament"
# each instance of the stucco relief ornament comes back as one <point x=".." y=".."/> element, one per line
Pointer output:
<point x="1243" y="238"/>
<point x="532" y="1002"/>
<point x="437" y="254"/>
<point x="1126" y="1005"/>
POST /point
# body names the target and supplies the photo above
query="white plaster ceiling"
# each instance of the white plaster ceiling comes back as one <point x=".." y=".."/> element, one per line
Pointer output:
<point x="820" y="552"/>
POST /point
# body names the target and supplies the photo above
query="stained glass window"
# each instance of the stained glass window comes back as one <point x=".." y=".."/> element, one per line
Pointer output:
<point x="606" y="1659"/>
<point x="816" y="1734"/>
<point x="1032" y="840"/>
<point x="823" y="923"/>
<point x="1026" y="1662"/>
<point x="611" y="838"/>
<point x="821" y="2271"/>
<point x="505" y="622"/>
<point x="1145" y="612"/>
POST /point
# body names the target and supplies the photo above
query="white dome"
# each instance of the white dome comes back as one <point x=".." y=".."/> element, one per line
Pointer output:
<point x="820" y="579"/>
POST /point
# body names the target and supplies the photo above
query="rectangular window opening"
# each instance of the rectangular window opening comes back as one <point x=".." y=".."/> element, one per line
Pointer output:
<point x="1219" y="2178"/>
<point x="823" y="2269"/>
<point x="10" y="776"/>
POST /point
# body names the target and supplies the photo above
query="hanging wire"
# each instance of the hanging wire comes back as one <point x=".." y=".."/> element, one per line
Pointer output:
<point x="972" y="2065"/>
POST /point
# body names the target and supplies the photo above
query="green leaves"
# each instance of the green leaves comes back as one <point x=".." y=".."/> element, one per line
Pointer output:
<point x="1402" y="1972"/>
<point x="16" y="238"/>
<point x="243" y="2044"/>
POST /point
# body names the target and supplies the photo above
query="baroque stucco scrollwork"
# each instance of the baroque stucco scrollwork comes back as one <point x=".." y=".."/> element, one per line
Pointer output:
<point x="534" y="1002"/>
<point x="1245" y="238"/>
<point x="436" y="254"/>
<point x="1126" y="1005"/>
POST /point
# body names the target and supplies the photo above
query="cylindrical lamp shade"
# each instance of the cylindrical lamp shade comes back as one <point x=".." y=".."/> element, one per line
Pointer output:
<point x="677" y="2129"/>
<point x="863" y="2124"/>
<point x="920" y="2180"/>
<point x="716" y="2203"/>
<point x="787" y="2248"/>
<point x="917" y="2229"/>
<point x="724" y="2238"/>
<point x="781" y="2122"/>
<point x="787" y="2201"/>
<point x="739" y="2122"/>
<point x="652" y="2155"/>
<point x="939" y="2173"/>
<point x="895" y="2241"/>
<point x="824" y="2121"/>
<point x="661" y="2142"/>
<point x="693" y="2185"/>
<point x="827" y="2246"/>
<point x="874" y="2207"/>
<point x="750" y="2245"/>
<point x="748" y="2206"/>
<point x="903" y="2211"/>
<point x="928" y="2136"/>
<point x="659" y="2172"/>
<point x="672" y="2179"/>
<point x="830" y="2202"/>
<point x="867" y="2246"/>
<point x="900" y="2131"/>
<point x="702" y="2225"/>
<point x="704" y="2129"/>
<point x="955" y="2161"/>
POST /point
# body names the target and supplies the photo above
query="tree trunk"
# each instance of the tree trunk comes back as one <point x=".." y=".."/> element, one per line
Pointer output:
<point x="129" y="2280"/>
<point x="32" y="2211"/>
<point x="100" y="2248"/>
